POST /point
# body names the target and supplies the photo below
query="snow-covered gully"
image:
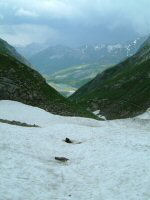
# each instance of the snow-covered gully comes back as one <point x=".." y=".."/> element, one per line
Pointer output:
<point x="108" y="160"/>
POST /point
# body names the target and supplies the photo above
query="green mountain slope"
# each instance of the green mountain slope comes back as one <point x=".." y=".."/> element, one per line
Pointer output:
<point x="67" y="81"/>
<point x="20" y="83"/>
<point x="6" y="48"/>
<point x="121" y="91"/>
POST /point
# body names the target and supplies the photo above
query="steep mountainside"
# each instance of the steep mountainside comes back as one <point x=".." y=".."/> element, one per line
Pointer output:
<point x="121" y="91"/>
<point x="59" y="57"/>
<point x="5" y="48"/>
<point x="20" y="83"/>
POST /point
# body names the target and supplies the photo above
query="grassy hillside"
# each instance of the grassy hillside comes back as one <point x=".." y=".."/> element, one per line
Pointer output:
<point x="121" y="91"/>
<point x="6" y="48"/>
<point x="20" y="83"/>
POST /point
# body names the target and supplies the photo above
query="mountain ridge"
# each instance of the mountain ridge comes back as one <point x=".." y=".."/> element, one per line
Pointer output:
<point x="20" y="82"/>
<point x="10" y="50"/>
<point x="121" y="91"/>
<point x="55" y="58"/>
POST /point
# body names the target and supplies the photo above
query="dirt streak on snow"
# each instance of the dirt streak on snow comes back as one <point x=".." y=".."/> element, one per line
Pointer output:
<point x="111" y="161"/>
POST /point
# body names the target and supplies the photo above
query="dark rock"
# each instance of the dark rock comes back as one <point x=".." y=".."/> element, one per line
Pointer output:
<point x="67" y="140"/>
<point x="62" y="159"/>
<point x="17" y="123"/>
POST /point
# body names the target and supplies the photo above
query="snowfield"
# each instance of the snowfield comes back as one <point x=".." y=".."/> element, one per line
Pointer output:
<point x="109" y="160"/>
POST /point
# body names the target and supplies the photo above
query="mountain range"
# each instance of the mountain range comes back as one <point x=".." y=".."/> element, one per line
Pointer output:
<point x="69" y="79"/>
<point x="121" y="91"/>
<point x="19" y="82"/>
<point x="56" y="58"/>
<point x="117" y="92"/>
<point x="31" y="49"/>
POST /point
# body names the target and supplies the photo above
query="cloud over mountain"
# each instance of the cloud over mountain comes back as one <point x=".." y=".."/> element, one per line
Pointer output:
<point x="75" y="22"/>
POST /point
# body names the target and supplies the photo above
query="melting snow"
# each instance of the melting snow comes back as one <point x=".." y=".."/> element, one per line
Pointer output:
<point x="109" y="160"/>
<point x="112" y="47"/>
<point x="97" y="112"/>
<point x="135" y="41"/>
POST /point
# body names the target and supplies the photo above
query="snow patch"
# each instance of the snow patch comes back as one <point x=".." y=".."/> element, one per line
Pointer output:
<point x="110" y="162"/>
<point x="97" y="113"/>
<point x="113" y="47"/>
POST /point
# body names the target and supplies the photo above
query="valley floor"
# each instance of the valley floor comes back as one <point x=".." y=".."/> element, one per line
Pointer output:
<point x="109" y="160"/>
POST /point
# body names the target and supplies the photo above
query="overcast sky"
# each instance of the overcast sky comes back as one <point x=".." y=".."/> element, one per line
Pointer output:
<point x="73" y="22"/>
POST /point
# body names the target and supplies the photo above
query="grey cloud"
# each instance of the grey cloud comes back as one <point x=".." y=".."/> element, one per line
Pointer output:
<point x="74" y="21"/>
<point x="26" y="13"/>
<point x="26" y="33"/>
